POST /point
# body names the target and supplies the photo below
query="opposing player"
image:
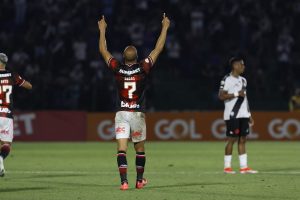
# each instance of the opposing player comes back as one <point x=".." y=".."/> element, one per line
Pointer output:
<point x="131" y="77"/>
<point x="8" y="79"/>
<point x="236" y="114"/>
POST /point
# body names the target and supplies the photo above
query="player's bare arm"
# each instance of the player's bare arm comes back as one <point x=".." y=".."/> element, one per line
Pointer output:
<point x="27" y="85"/>
<point x="251" y="121"/>
<point x="161" y="40"/>
<point x="224" y="95"/>
<point x="102" y="40"/>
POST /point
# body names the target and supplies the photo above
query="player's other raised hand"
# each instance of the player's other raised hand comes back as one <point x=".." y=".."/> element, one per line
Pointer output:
<point x="165" y="21"/>
<point x="102" y="24"/>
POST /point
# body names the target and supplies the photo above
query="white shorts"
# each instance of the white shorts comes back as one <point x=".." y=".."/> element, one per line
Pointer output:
<point x="130" y="124"/>
<point x="6" y="129"/>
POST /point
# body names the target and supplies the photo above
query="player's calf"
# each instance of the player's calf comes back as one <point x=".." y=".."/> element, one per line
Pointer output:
<point x="122" y="165"/>
<point x="4" y="151"/>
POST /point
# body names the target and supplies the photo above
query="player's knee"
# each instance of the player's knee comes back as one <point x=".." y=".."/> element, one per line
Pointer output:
<point x="242" y="140"/>
<point x="5" y="143"/>
<point x="139" y="147"/>
<point x="231" y="141"/>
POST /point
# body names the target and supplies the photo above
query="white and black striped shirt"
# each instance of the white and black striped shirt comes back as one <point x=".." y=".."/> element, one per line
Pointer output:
<point x="236" y="107"/>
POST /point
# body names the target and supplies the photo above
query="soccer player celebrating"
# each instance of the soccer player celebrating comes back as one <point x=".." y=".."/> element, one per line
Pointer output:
<point x="131" y="84"/>
<point x="8" y="79"/>
<point x="236" y="114"/>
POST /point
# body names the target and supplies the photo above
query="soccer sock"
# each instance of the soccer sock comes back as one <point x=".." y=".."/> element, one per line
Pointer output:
<point x="122" y="164"/>
<point x="243" y="160"/>
<point x="140" y="161"/>
<point x="227" y="161"/>
<point x="4" y="151"/>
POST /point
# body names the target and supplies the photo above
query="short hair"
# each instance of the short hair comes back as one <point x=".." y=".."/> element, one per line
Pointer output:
<point x="3" y="58"/>
<point x="232" y="60"/>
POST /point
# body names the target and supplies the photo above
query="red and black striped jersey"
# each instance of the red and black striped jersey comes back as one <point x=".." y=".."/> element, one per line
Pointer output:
<point x="131" y="83"/>
<point x="8" y="79"/>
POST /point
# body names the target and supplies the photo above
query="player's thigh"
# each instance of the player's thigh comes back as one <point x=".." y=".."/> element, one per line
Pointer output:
<point x="138" y="127"/>
<point x="122" y="127"/>
<point x="244" y="126"/>
<point x="6" y="130"/>
<point x="232" y="128"/>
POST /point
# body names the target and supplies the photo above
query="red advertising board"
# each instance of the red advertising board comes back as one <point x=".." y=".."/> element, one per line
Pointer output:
<point x="199" y="126"/>
<point x="161" y="126"/>
<point x="50" y="126"/>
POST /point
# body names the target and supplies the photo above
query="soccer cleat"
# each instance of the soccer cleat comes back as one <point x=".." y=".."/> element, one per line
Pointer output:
<point x="248" y="170"/>
<point x="141" y="183"/>
<point x="229" y="170"/>
<point x="124" y="186"/>
<point x="2" y="170"/>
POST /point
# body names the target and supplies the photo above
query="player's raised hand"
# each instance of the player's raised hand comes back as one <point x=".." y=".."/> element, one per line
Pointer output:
<point x="165" y="22"/>
<point x="102" y="24"/>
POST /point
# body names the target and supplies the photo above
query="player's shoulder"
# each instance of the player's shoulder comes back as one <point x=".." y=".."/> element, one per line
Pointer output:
<point x="225" y="78"/>
<point x="243" y="78"/>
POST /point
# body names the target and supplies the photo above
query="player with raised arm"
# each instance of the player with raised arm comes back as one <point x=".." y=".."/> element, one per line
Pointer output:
<point x="8" y="79"/>
<point x="131" y="79"/>
<point x="236" y="115"/>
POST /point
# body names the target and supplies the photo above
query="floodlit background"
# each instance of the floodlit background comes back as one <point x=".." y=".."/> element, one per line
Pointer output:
<point x="54" y="45"/>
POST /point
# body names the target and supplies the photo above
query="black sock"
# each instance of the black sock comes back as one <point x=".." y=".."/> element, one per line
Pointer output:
<point x="4" y="151"/>
<point x="140" y="161"/>
<point x="122" y="164"/>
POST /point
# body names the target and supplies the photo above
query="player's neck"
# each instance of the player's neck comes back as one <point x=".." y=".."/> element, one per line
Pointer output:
<point x="234" y="74"/>
<point x="130" y="62"/>
<point x="2" y="69"/>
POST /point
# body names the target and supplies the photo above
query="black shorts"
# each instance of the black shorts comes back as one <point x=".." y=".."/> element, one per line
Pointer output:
<point x="237" y="127"/>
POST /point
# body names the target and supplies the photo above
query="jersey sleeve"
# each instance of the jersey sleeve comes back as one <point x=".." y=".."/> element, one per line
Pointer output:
<point x="113" y="63"/>
<point x="18" y="80"/>
<point x="147" y="64"/>
<point x="224" y="85"/>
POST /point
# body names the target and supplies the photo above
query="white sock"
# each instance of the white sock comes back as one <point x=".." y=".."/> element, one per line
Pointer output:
<point x="227" y="161"/>
<point x="243" y="160"/>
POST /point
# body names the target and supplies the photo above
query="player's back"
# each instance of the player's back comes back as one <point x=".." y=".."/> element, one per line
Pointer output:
<point x="7" y="80"/>
<point x="131" y="84"/>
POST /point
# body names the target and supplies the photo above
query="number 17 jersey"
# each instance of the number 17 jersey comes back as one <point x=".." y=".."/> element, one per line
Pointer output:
<point x="8" y="79"/>
<point x="131" y="83"/>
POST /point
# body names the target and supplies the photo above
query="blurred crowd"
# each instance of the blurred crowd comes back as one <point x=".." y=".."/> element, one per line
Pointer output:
<point x="54" y="44"/>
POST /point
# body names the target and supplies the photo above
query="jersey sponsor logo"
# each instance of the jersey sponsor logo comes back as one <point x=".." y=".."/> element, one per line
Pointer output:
<point x="136" y="134"/>
<point x="122" y="71"/>
<point x="4" y="132"/>
<point x="5" y="75"/>
<point x="129" y="78"/>
<point x="120" y="130"/>
<point x="5" y="81"/>
<point x="129" y="105"/>
<point x="5" y="110"/>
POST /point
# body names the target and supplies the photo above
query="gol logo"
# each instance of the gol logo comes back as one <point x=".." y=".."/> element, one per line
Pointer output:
<point x="280" y="129"/>
<point x="176" y="129"/>
<point x="105" y="130"/>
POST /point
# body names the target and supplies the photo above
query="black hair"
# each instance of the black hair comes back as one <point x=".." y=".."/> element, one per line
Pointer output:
<point x="232" y="60"/>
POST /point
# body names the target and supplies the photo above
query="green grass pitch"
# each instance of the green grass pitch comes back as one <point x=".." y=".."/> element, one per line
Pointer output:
<point x="178" y="170"/>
